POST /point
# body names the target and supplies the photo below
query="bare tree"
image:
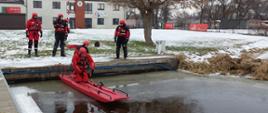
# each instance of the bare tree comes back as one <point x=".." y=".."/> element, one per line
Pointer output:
<point x="201" y="5"/>
<point x="146" y="8"/>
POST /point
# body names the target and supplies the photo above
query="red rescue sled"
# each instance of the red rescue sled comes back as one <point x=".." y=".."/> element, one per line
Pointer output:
<point x="97" y="91"/>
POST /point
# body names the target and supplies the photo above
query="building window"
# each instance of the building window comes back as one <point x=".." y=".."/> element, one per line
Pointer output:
<point x="56" y="5"/>
<point x="101" y="6"/>
<point x="37" y="4"/>
<point x="88" y="22"/>
<point x="72" y="23"/>
<point x="100" y="21"/>
<point x="88" y="8"/>
<point x="70" y="6"/>
<point x="115" y="21"/>
<point x="116" y="7"/>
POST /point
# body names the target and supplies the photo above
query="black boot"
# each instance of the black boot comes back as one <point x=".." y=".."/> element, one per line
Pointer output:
<point x="29" y="53"/>
<point x="53" y="53"/>
<point x="36" y="52"/>
<point x="125" y="52"/>
<point x="36" y="48"/>
<point x="62" y="53"/>
<point x="30" y="43"/>
<point x="117" y="53"/>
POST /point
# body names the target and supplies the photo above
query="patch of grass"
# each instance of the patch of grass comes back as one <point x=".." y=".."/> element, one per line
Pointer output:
<point x="194" y="50"/>
<point x="45" y="48"/>
<point x="95" y="50"/>
<point x="138" y="47"/>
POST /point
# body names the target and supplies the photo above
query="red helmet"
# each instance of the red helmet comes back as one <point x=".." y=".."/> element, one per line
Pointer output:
<point x="86" y="42"/>
<point x="123" y="21"/>
<point x="66" y="20"/>
<point x="60" y="15"/>
<point x="34" y="15"/>
<point x="82" y="50"/>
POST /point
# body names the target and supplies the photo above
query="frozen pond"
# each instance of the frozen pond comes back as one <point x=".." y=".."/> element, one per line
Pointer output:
<point x="158" y="92"/>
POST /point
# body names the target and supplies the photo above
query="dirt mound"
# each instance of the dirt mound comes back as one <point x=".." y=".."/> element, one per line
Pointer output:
<point x="225" y="65"/>
<point x="261" y="72"/>
<point x="222" y="63"/>
<point x="196" y="67"/>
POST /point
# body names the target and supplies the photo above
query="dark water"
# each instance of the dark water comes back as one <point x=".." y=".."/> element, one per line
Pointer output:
<point x="161" y="92"/>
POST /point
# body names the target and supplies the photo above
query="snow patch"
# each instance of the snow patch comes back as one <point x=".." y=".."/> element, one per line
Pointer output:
<point x="24" y="102"/>
<point x="44" y="61"/>
<point x="263" y="56"/>
<point x="229" y="43"/>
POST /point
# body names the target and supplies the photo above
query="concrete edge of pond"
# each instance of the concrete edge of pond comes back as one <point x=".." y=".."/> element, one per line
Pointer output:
<point x="132" y="65"/>
<point x="7" y="103"/>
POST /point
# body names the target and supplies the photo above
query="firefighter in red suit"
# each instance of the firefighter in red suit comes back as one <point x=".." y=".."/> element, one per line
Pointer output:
<point x="61" y="31"/>
<point x="83" y="65"/>
<point x="121" y="38"/>
<point x="33" y="32"/>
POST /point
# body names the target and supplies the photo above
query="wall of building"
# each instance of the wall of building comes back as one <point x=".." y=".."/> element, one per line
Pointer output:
<point x="21" y="6"/>
<point x="47" y="13"/>
<point x="12" y="15"/>
<point x="108" y="14"/>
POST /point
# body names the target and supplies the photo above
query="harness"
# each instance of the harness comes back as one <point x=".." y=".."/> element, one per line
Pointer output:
<point x="60" y="27"/>
<point x="83" y="63"/>
<point x="122" y="31"/>
<point x="34" y="26"/>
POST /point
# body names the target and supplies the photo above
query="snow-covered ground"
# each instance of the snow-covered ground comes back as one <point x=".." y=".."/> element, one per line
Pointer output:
<point x="14" y="42"/>
<point x="24" y="102"/>
<point x="236" y="31"/>
<point x="241" y="31"/>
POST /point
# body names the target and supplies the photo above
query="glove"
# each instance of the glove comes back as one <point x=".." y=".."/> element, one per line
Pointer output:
<point x="41" y="33"/>
<point x="115" y="39"/>
<point x="27" y="34"/>
<point x="92" y="71"/>
<point x="126" y="40"/>
<point x="66" y="36"/>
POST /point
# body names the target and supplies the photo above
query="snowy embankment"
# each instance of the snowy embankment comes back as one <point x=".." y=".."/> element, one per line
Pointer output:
<point x="24" y="102"/>
<point x="13" y="42"/>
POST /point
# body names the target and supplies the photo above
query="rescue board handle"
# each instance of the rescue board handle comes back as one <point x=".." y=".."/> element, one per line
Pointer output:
<point x="99" y="92"/>
<point x="120" y="91"/>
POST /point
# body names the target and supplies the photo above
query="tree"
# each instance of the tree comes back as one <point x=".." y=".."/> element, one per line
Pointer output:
<point x="201" y="5"/>
<point x="147" y="10"/>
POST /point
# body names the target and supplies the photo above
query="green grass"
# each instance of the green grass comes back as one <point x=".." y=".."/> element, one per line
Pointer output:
<point x="194" y="50"/>
<point x="135" y="48"/>
<point x="138" y="47"/>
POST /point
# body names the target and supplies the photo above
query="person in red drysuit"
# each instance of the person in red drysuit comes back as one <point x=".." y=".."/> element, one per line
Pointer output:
<point x="77" y="47"/>
<point x="33" y="28"/>
<point x="83" y="65"/>
<point x="121" y="38"/>
<point x="61" y="31"/>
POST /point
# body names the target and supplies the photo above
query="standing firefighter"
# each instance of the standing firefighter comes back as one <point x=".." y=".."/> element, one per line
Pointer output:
<point x="61" y="31"/>
<point x="121" y="38"/>
<point x="33" y="28"/>
<point x="83" y="65"/>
